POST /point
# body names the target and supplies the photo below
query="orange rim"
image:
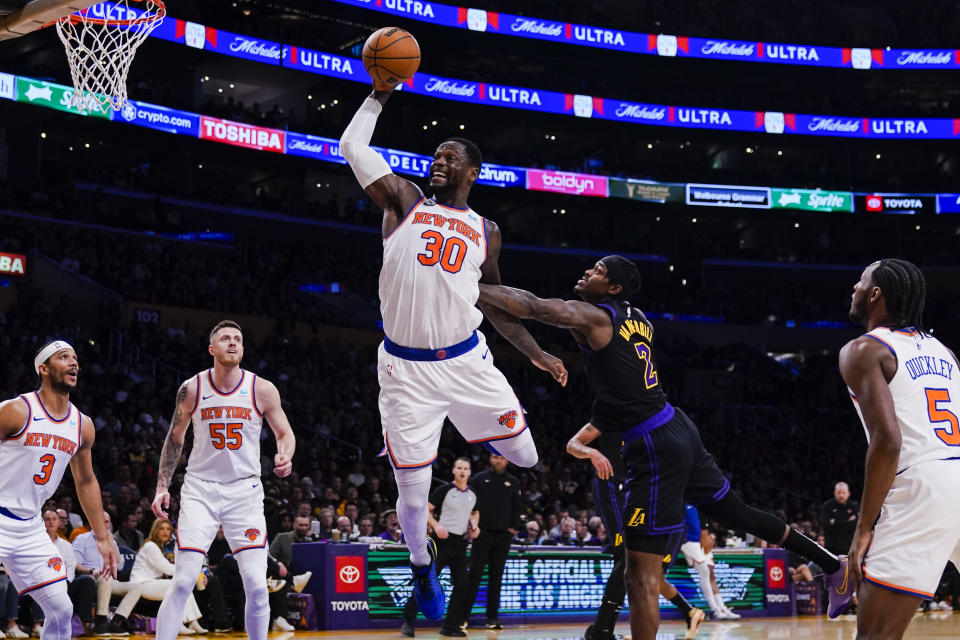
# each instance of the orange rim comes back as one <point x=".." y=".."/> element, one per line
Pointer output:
<point x="160" y="12"/>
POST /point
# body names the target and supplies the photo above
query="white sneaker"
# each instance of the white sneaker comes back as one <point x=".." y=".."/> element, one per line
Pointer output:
<point x="274" y="584"/>
<point x="16" y="632"/>
<point x="730" y="614"/>
<point x="281" y="624"/>
<point x="944" y="606"/>
<point x="186" y="631"/>
<point x="721" y="614"/>
<point x="300" y="581"/>
<point x="195" y="625"/>
<point x="2" y="635"/>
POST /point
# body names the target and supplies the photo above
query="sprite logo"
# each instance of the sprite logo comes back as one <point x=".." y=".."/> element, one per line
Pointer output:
<point x="56" y="96"/>
<point x="812" y="200"/>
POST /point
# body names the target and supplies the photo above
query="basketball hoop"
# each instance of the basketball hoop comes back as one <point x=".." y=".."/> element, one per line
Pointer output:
<point x="100" y="49"/>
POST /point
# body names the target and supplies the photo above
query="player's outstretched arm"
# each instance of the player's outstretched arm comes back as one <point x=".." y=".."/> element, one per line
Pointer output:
<point x="173" y="445"/>
<point x="577" y="447"/>
<point x="88" y="492"/>
<point x="393" y="194"/>
<point x="268" y="400"/>
<point x="508" y="325"/>
<point x="867" y="367"/>
<point x="14" y="414"/>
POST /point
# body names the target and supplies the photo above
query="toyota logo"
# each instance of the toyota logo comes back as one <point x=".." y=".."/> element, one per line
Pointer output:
<point x="349" y="574"/>
<point x="776" y="573"/>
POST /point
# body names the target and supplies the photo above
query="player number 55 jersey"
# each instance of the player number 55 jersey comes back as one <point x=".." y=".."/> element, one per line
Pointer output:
<point x="926" y="396"/>
<point x="429" y="280"/>
<point x="226" y="430"/>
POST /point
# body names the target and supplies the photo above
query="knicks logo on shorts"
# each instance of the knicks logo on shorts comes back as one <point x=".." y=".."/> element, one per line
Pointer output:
<point x="251" y="534"/>
<point x="55" y="563"/>
<point x="509" y="419"/>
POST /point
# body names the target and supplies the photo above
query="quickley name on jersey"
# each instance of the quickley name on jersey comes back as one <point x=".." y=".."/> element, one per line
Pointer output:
<point x="926" y="396"/>
<point x="623" y="375"/>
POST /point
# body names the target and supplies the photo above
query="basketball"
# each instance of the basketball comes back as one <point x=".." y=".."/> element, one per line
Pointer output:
<point x="390" y="55"/>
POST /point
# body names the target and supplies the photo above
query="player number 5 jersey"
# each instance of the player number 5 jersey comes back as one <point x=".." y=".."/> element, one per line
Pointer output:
<point x="429" y="280"/>
<point x="32" y="461"/>
<point x="226" y="430"/>
<point x="926" y="396"/>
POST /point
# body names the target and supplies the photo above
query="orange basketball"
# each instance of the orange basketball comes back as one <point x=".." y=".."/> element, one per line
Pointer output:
<point x="391" y="55"/>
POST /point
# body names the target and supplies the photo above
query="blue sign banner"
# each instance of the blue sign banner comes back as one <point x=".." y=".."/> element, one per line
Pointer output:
<point x="326" y="64"/>
<point x="663" y="44"/>
<point x="948" y="203"/>
<point x="156" y="117"/>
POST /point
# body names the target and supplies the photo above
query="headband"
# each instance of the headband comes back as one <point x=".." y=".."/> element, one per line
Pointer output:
<point x="48" y="351"/>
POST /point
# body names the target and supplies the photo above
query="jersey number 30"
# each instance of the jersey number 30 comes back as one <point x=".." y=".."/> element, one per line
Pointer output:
<point x="448" y="252"/>
<point x="951" y="434"/>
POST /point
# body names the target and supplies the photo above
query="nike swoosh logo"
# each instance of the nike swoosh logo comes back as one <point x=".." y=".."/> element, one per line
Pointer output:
<point x="38" y="418"/>
<point x="208" y="397"/>
<point x="256" y="485"/>
<point x="484" y="356"/>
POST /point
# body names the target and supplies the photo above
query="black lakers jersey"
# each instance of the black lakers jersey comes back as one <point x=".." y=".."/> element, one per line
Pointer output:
<point x="623" y="375"/>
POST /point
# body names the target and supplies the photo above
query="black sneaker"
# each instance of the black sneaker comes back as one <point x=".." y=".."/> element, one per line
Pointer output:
<point x="594" y="634"/>
<point x="406" y="630"/>
<point x="494" y="624"/>
<point x="451" y="632"/>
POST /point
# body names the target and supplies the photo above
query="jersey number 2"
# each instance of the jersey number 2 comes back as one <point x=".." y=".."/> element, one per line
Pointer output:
<point x="650" y="375"/>
<point x="233" y="438"/>
<point x="449" y="252"/>
<point x="950" y="435"/>
<point x="44" y="476"/>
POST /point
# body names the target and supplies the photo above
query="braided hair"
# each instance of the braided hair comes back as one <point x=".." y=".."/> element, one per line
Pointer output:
<point x="905" y="291"/>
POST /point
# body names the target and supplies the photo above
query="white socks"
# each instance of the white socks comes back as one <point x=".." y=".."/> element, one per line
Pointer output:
<point x="413" y="485"/>
<point x="170" y="617"/>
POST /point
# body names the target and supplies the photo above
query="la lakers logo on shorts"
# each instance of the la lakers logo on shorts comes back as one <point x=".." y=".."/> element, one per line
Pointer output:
<point x="617" y="540"/>
<point x="251" y="534"/>
<point x="55" y="563"/>
<point x="638" y="518"/>
<point x="509" y="419"/>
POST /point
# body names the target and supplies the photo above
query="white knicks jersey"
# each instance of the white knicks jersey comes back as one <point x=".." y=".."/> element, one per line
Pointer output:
<point x="33" y="460"/>
<point x="926" y="396"/>
<point x="430" y="275"/>
<point x="226" y="430"/>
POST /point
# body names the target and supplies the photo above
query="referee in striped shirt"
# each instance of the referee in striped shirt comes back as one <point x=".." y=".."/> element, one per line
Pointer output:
<point x="455" y="507"/>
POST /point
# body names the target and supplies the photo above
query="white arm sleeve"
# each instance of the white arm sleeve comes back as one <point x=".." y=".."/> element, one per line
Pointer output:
<point x="368" y="165"/>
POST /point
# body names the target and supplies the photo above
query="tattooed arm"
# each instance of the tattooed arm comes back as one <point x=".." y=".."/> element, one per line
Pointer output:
<point x="173" y="445"/>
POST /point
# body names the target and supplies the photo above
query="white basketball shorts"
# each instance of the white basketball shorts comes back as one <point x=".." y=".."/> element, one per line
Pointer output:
<point x="918" y="530"/>
<point x="416" y="396"/>
<point x="236" y="505"/>
<point x="29" y="557"/>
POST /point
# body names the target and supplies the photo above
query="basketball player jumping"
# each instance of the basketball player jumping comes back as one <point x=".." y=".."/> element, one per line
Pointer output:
<point x="35" y="449"/>
<point x="902" y="383"/>
<point x="433" y="362"/>
<point x="227" y="406"/>
<point x="665" y="458"/>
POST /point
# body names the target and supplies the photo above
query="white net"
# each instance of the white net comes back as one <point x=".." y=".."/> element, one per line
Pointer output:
<point x="100" y="43"/>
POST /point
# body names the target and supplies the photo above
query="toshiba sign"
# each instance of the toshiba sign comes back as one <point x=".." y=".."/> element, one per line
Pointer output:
<point x="14" y="264"/>
<point x="242" y="135"/>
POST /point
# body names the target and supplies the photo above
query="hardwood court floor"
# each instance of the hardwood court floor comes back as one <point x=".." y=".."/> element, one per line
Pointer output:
<point x="924" y="626"/>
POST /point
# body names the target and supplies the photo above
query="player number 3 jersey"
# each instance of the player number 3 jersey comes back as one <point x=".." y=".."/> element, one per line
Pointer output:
<point x="226" y="430"/>
<point x="32" y="461"/>
<point x="926" y="396"/>
<point x="429" y="280"/>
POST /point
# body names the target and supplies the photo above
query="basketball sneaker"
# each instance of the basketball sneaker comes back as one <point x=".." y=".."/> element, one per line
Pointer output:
<point x="426" y="586"/>
<point x="596" y="634"/>
<point x="839" y="588"/>
<point x="694" y="618"/>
